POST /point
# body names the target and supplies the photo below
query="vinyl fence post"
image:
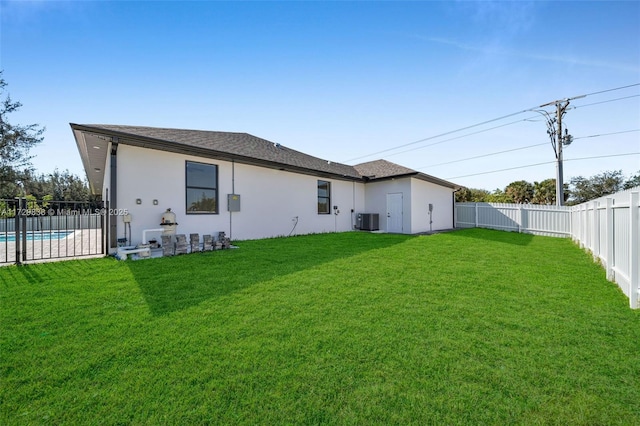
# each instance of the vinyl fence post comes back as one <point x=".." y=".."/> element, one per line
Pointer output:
<point x="476" y="215"/>
<point x="571" y="233"/>
<point x="583" y="226"/>
<point x="587" y="229"/>
<point x="609" y="239"/>
<point x="519" y="218"/>
<point x="634" y="256"/>
<point x="596" y="231"/>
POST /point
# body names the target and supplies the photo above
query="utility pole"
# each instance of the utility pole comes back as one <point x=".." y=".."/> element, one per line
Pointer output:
<point x="558" y="140"/>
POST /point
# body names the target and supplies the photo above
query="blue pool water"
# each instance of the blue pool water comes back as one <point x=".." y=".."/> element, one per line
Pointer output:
<point x="37" y="236"/>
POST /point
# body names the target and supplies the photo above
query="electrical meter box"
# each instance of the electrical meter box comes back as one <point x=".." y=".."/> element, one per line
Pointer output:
<point x="233" y="202"/>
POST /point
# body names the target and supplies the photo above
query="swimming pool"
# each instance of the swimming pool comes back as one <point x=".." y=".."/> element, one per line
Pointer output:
<point x="36" y="236"/>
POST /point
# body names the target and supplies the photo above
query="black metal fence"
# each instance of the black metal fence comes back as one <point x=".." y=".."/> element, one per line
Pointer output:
<point x="36" y="230"/>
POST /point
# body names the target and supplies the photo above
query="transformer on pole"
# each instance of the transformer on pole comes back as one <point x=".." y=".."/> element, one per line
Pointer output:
<point x="558" y="140"/>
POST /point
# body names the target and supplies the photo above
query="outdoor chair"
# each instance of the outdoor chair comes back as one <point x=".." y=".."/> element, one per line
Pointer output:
<point x="168" y="248"/>
<point x="181" y="244"/>
<point x="195" y="242"/>
<point x="207" y="242"/>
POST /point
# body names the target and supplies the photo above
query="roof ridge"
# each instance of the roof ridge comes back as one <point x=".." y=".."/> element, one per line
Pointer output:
<point x="120" y="126"/>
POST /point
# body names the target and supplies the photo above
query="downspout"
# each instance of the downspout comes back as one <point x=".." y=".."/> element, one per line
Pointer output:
<point x="113" y="196"/>
<point x="105" y="223"/>
<point x="233" y="191"/>
<point x="353" y="206"/>
<point x="453" y="204"/>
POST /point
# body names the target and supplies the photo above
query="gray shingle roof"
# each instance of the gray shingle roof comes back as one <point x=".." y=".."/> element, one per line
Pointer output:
<point x="381" y="169"/>
<point x="240" y="146"/>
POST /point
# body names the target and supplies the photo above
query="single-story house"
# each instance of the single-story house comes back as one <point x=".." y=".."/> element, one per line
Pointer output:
<point x="248" y="187"/>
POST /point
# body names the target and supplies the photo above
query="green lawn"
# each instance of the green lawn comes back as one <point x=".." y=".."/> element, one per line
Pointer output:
<point x="469" y="327"/>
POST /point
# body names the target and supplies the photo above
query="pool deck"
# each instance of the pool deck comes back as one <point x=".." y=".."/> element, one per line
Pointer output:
<point x="80" y="243"/>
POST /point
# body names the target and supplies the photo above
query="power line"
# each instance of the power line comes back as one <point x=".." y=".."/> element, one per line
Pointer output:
<point x="458" y="137"/>
<point x="484" y="155"/>
<point x="558" y="139"/>
<point x="440" y="135"/>
<point x="603" y="156"/>
<point x="546" y="162"/>
<point x="486" y="130"/>
<point x="521" y="148"/>
<point x="501" y="170"/>
<point x="500" y="152"/>
<point x="611" y="90"/>
<point x="480" y="124"/>
<point x="607" y="134"/>
<point x="604" y="102"/>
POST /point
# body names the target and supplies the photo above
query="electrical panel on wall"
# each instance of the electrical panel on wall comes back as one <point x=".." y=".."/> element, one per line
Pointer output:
<point x="233" y="202"/>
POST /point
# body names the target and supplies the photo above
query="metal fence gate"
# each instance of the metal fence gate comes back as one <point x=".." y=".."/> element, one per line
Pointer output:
<point x="38" y="230"/>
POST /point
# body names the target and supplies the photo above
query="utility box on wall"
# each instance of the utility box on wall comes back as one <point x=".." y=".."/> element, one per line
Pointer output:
<point x="233" y="202"/>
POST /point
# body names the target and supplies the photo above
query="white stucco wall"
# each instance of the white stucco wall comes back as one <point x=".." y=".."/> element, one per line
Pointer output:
<point x="273" y="201"/>
<point x="416" y="196"/>
<point x="270" y="199"/>
<point x="376" y="200"/>
<point x="424" y="193"/>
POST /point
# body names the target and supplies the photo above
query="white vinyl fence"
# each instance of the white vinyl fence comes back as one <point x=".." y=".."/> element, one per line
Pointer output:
<point x="608" y="227"/>
<point x="553" y="221"/>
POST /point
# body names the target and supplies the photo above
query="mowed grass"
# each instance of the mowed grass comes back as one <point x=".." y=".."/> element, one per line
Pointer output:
<point x="470" y="327"/>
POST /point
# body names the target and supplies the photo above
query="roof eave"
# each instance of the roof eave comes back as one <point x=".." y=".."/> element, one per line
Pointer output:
<point x="390" y="177"/>
<point x="417" y="175"/>
<point x="179" y="148"/>
<point x="438" y="181"/>
<point x="93" y="167"/>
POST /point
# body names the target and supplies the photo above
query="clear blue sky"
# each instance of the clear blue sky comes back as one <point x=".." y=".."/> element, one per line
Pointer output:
<point x="338" y="80"/>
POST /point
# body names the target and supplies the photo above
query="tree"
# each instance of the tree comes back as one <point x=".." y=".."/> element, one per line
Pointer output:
<point x="544" y="192"/>
<point x="15" y="143"/>
<point x="632" y="182"/>
<point x="61" y="186"/>
<point x="498" y="196"/>
<point x="605" y="183"/>
<point x="471" y="195"/>
<point x="520" y="192"/>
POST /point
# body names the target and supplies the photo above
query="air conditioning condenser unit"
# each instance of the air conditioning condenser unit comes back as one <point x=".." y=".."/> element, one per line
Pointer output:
<point x="368" y="221"/>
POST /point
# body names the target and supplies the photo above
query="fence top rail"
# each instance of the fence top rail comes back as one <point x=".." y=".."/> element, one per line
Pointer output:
<point x="523" y="206"/>
<point x="588" y="206"/>
<point x="40" y="200"/>
<point x="620" y="199"/>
